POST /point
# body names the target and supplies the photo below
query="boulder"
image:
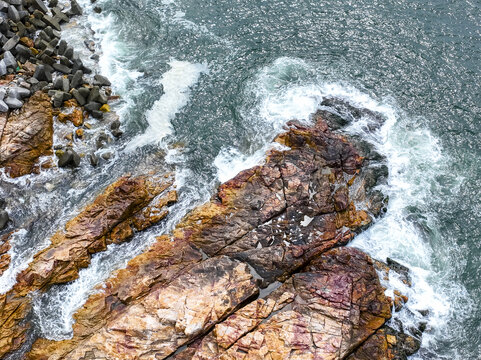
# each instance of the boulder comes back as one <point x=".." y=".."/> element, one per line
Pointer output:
<point x="13" y="102"/>
<point x="3" y="106"/>
<point x="58" y="99"/>
<point x="92" y="106"/>
<point x="11" y="43"/>
<point x="13" y="13"/>
<point x="52" y="22"/>
<point x="9" y="60"/>
<point x="101" y="80"/>
<point x="62" y="46"/>
<point x="26" y="136"/>
<point x="75" y="8"/>
<point x="4" y="218"/>
<point x="3" y="68"/>
<point x="77" y="79"/>
<point x="80" y="99"/>
<point x="39" y="4"/>
<point x="62" y="68"/>
<point x="69" y="159"/>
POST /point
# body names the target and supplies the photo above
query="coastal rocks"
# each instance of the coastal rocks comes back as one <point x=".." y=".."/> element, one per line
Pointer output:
<point x="387" y="344"/>
<point x="69" y="158"/>
<point x="26" y="136"/>
<point x="285" y="212"/>
<point x="324" y="312"/>
<point x="128" y="205"/>
<point x="4" y="255"/>
<point x="94" y="228"/>
<point x="270" y="222"/>
<point x="171" y="316"/>
<point x="34" y="58"/>
<point x="4" y="218"/>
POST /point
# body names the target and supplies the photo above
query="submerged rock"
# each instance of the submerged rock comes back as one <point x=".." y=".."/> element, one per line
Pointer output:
<point x="4" y="218"/>
<point x="69" y="158"/>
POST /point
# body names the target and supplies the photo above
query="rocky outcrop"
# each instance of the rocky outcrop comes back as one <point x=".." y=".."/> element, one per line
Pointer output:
<point x="34" y="58"/>
<point x="26" y="136"/>
<point x="387" y="344"/>
<point x="277" y="216"/>
<point x="4" y="255"/>
<point x="128" y="205"/>
<point x="324" y="312"/>
<point x="270" y="227"/>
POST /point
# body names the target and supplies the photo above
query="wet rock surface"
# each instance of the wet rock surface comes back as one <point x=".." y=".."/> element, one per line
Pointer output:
<point x="387" y="344"/>
<point x="26" y="136"/>
<point x="4" y="255"/>
<point x="255" y="273"/>
<point x="130" y="204"/>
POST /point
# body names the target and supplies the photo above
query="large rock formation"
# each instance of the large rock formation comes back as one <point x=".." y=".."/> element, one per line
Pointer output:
<point x="26" y="136"/>
<point x="199" y="284"/>
<point x="324" y="312"/>
<point x="130" y="204"/>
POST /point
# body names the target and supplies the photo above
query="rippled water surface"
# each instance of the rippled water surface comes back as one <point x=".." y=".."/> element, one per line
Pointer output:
<point x="209" y="83"/>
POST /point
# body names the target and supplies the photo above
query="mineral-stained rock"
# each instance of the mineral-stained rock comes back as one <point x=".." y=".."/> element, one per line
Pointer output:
<point x="325" y="312"/>
<point x="4" y="256"/>
<point x="131" y="203"/>
<point x="277" y="217"/>
<point x="386" y="344"/>
<point x="26" y="136"/>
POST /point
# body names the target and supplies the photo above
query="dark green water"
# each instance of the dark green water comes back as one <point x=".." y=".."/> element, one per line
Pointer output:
<point x="234" y="71"/>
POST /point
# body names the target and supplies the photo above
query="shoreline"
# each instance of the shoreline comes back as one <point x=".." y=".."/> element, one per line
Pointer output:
<point x="66" y="108"/>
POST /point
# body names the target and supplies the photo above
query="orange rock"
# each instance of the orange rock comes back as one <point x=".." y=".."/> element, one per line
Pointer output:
<point x="27" y="42"/>
<point x="79" y="133"/>
<point x="386" y="344"/>
<point x="77" y="117"/>
<point x="62" y="117"/>
<point x="71" y="103"/>
<point x="277" y="217"/>
<point x="324" y="312"/>
<point x="26" y="136"/>
<point x="71" y="249"/>
<point x="4" y="256"/>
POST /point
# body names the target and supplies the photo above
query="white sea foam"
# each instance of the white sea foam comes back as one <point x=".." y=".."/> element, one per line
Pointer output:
<point x="19" y="260"/>
<point x="177" y="83"/>
<point x="230" y="161"/>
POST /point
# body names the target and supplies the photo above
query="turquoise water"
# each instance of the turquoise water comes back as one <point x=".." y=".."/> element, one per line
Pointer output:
<point x="209" y="83"/>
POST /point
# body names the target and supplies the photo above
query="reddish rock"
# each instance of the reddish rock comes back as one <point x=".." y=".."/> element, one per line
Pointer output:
<point x="279" y="215"/>
<point x="276" y="217"/>
<point x="325" y="312"/>
<point x="26" y="135"/>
